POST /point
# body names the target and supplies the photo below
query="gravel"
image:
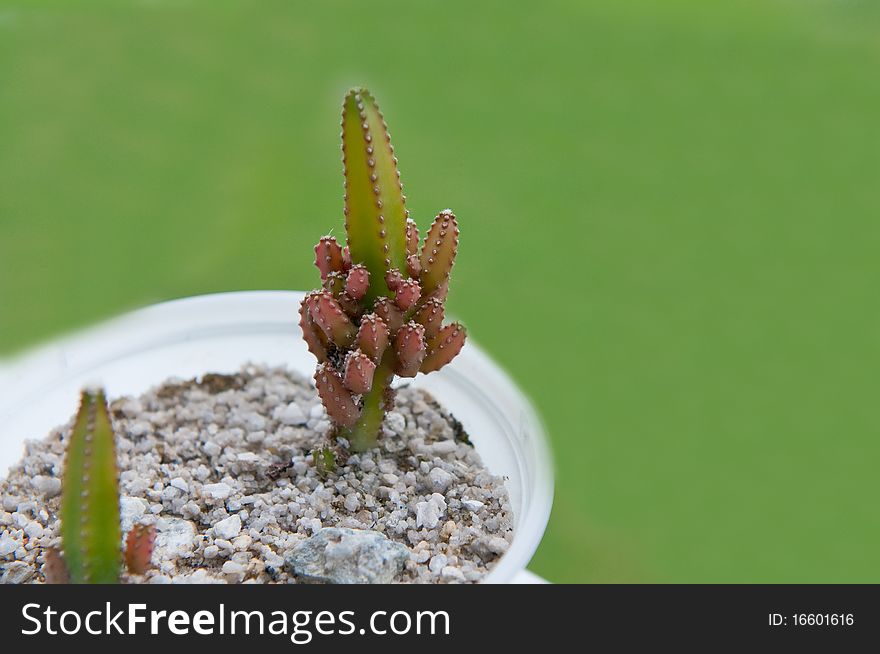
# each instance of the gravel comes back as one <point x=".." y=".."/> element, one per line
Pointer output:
<point x="222" y="467"/>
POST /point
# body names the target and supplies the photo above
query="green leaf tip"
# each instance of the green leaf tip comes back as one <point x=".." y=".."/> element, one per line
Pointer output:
<point x="375" y="207"/>
<point x="90" y="531"/>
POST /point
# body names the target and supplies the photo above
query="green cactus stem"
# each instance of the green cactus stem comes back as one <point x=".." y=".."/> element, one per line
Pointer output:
<point x="375" y="208"/>
<point x="90" y="533"/>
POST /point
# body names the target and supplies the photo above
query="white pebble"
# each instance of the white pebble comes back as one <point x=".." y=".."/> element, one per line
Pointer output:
<point x="292" y="414"/>
<point x="428" y="513"/>
<point x="218" y="491"/>
<point x="439" y="480"/>
<point x="48" y="486"/>
<point x="451" y="573"/>
<point x="438" y="562"/>
<point x="180" y="483"/>
<point x="8" y="544"/>
<point x="228" y="528"/>
<point x="472" y="505"/>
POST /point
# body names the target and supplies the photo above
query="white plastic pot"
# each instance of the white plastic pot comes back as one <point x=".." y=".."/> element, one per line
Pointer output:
<point x="219" y="333"/>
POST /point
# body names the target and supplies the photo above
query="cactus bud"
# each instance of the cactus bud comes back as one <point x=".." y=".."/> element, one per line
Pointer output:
<point x="359" y="369"/>
<point x="409" y="345"/>
<point x="335" y="397"/>
<point x="444" y="347"/>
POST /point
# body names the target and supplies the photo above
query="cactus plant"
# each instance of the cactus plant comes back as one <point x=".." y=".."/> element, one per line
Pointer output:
<point x="380" y="310"/>
<point x="90" y="529"/>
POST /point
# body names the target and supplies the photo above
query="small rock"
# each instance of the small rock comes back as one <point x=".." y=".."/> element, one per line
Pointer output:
<point x="48" y="486"/>
<point x="8" y="544"/>
<point x="451" y="573"/>
<point x="130" y="509"/>
<point x="439" y="480"/>
<point x="472" y="505"/>
<point x="16" y="573"/>
<point x="340" y="555"/>
<point x="428" y="513"/>
<point x="211" y="552"/>
<point x="219" y="491"/>
<point x="175" y="535"/>
<point x="292" y="414"/>
<point x="438" y="562"/>
<point x="228" y="528"/>
<point x="33" y="529"/>
<point x="233" y="571"/>
<point x="352" y="503"/>
<point x="180" y="484"/>
<point x="395" y="422"/>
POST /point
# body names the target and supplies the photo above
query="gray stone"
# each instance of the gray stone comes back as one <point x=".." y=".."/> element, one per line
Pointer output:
<point x="16" y="573"/>
<point x="440" y="480"/>
<point x="339" y="555"/>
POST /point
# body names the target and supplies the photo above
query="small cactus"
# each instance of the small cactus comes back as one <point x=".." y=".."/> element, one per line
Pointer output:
<point x="380" y="310"/>
<point x="90" y="529"/>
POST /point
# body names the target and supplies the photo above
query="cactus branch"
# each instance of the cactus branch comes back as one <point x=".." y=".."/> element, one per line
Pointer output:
<point x="329" y="316"/>
<point x="375" y="212"/>
<point x="438" y="252"/>
<point x="359" y="369"/>
<point x="444" y="347"/>
<point x="139" y="548"/>
<point x="409" y="346"/>
<point x="373" y="335"/>
<point x="335" y="396"/>
<point x="328" y="256"/>
<point x="90" y="531"/>
<point x="430" y="316"/>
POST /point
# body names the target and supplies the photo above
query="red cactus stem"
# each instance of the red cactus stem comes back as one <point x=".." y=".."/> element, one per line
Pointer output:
<point x="329" y="316"/>
<point x="444" y="347"/>
<point x="335" y="397"/>
<point x="139" y="548"/>
<point x="414" y="266"/>
<point x="389" y="313"/>
<point x="408" y="293"/>
<point x="346" y="258"/>
<point x="357" y="282"/>
<point x="54" y="567"/>
<point x="438" y="252"/>
<point x="412" y="237"/>
<point x="328" y="256"/>
<point x="430" y="316"/>
<point x="409" y="345"/>
<point x="359" y="369"/>
<point x="373" y="335"/>
<point x="393" y="278"/>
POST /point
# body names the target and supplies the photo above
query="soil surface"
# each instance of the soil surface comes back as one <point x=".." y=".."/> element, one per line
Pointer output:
<point x="223" y="467"/>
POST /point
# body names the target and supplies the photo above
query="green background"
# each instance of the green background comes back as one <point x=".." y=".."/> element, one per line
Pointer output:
<point x="669" y="220"/>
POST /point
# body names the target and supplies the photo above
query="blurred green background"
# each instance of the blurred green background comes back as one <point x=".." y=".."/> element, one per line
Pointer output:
<point x="669" y="229"/>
